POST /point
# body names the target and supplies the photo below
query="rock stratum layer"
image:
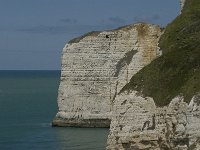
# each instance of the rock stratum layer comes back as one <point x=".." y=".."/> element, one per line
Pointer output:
<point x="96" y="66"/>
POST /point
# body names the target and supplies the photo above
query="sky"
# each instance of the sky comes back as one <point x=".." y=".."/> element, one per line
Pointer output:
<point x="33" y="32"/>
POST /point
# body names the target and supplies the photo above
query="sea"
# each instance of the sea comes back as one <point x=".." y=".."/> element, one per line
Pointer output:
<point x="28" y="103"/>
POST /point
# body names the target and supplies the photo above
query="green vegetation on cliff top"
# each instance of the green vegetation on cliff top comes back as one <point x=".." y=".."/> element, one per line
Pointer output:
<point x="76" y="40"/>
<point x="177" y="71"/>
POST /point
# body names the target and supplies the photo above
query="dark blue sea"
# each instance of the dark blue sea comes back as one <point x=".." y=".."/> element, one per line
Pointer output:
<point x="28" y="103"/>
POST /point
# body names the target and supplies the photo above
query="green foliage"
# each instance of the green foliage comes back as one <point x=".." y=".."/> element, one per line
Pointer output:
<point x="76" y="40"/>
<point x="177" y="71"/>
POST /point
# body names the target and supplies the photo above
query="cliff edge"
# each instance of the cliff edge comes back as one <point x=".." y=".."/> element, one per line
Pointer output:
<point x="96" y="66"/>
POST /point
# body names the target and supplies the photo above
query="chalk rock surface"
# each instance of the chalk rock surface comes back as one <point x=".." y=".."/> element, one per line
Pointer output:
<point x="182" y="3"/>
<point x="96" y="66"/>
<point x="139" y="125"/>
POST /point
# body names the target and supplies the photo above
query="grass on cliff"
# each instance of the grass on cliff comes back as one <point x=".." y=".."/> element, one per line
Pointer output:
<point x="177" y="71"/>
<point x="76" y="40"/>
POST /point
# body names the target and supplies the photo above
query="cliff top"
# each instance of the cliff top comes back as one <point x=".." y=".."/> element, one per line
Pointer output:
<point x="76" y="40"/>
<point x="96" y="33"/>
<point x="177" y="71"/>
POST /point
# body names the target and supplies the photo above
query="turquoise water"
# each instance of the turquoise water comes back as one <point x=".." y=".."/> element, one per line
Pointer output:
<point x="27" y="107"/>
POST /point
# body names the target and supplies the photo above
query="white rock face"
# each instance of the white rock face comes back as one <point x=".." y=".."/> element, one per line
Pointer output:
<point x="95" y="68"/>
<point x="138" y="124"/>
<point x="182" y="3"/>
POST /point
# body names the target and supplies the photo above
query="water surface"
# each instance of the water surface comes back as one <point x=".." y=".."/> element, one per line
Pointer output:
<point x="27" y="107"/>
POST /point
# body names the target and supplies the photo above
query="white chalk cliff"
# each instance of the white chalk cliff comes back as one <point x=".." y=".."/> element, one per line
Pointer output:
<point x="138" y="124"/>
<point x="96" y="66"/>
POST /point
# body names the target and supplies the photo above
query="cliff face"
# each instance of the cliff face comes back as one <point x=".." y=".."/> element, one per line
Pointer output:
<point x="159" y="108"/>
<point x="137" y="123"/>
<point x="156" y="107"/>
<point x="96" y="66"/>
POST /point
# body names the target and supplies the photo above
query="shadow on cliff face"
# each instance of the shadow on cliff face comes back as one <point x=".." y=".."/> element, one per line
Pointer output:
<point x="126" y="60"/>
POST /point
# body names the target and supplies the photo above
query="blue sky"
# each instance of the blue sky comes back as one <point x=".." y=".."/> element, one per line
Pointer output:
<point x="33" y="32"/>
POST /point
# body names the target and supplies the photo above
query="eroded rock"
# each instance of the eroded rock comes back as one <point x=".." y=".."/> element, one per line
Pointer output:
<point x="143" y="125"/>
<point x="96" y="66"/>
